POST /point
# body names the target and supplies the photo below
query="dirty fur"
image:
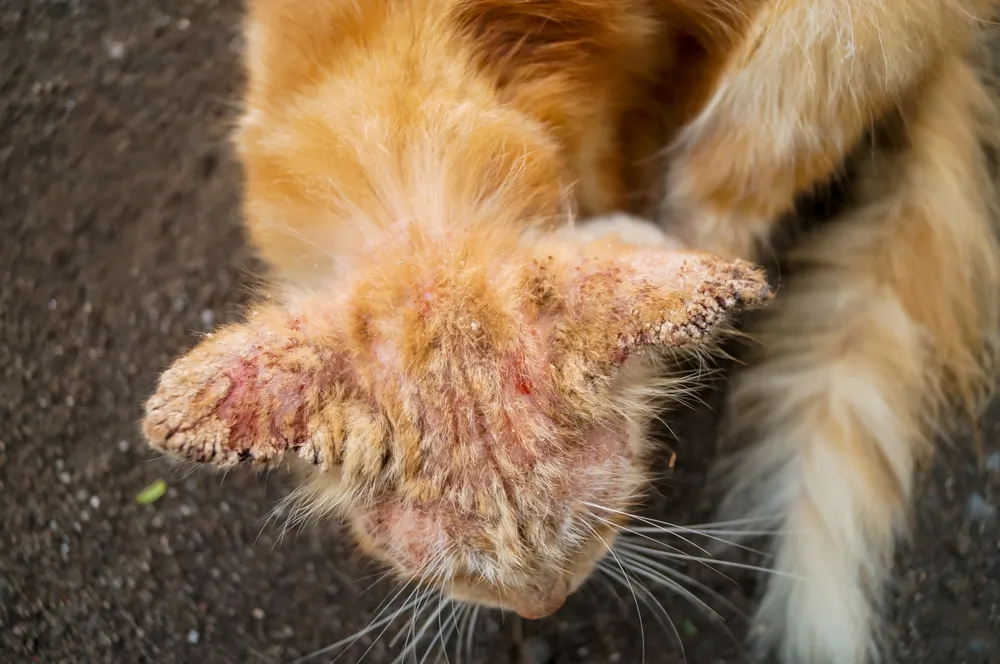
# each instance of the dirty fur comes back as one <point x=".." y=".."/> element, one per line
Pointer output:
<point x="463" y="338"/>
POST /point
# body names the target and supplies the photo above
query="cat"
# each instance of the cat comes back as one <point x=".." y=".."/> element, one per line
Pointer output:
<point x="465" y="366"/>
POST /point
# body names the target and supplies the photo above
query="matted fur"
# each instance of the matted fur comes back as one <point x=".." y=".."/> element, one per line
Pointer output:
<point x="409" y="162"/>
<point x="462" y="367"/>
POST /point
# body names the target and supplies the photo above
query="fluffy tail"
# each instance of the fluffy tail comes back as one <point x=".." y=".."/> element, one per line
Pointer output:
<point x="885" y="320"/>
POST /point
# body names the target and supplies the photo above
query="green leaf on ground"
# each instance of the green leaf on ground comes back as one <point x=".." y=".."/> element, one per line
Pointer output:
<point x="151" y="493"/>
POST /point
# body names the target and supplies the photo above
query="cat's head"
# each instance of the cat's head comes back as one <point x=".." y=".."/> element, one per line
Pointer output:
<point x="474" y="407"/>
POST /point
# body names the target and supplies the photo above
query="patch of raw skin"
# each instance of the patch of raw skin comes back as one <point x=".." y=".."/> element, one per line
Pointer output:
<point x="601" y="472"/>
<point x="264" y="409"/>
<point x="249" y="407"/>
<point x="412" y="536"/>
<point x="239" y="409"/>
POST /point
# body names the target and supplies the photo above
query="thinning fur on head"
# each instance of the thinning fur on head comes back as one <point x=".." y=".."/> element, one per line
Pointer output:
<point x="462" y="368"/>
<point x="462" y="402"/>
<point x="458" y="363"/>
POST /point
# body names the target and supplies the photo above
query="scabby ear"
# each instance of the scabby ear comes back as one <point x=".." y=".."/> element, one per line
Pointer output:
<point x="286" y="382"/>
<point x="618" y="298"/>
<point x="252" y="393"/>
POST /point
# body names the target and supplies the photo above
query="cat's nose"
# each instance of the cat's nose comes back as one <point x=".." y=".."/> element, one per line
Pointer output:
<point x="545" y="603"/>
<point x="542" y="610"/>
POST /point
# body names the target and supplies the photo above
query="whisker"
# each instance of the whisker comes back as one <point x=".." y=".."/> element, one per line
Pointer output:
<point x="652" y="567"/>
<point x="651" y="602"/>
<point x="627" y="529"/>
<point x="677" y="574"/>
<point x="451" y="625"/>
<point x="709" y="531"/>
<point x="411" y="603"/>
<point x="638" y="611"/>
<point x="379" y="578"/>
<point x="644" y="530"/>
<point x="470" y="646"/>
<point x="421" y="578"/>
<point x="350" y="640"/>
<point x="411" y="646"/>
<point x="645" y="520"/>
<point x="426" y="591"/>
<point x="727" y="524"/>
<point x="642" y="568"/>
<point x="464" y="611"/>
<point x="708" y="561"/>
<point x="442" y="604"/>
<point x="662" y="544"/>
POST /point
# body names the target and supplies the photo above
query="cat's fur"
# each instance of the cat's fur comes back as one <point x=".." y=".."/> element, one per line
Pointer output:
<point x="461" y="361"/>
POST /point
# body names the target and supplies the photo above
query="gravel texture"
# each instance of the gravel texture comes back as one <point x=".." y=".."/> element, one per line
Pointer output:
<point x="120" y="242"/>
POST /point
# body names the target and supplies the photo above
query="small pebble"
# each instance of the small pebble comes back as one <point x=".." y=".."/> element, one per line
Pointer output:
<point x="258" y="614"/>
<point x="956" y="587"/>
<point x="978" y="509"/>
<point x="536" y="651"/>
<point x="114" y="48"/>
<point x="123" y="446"/>
<point x="183" y="24"/>
<point x="193" y="637"/>
<point x="207" y="318"/>
<point x="65" y="477"/>
<point x="95" y="502"/>
<point x="963" y="544"/>
<point x="993" y="462"/>
<point x="52" y="305"/>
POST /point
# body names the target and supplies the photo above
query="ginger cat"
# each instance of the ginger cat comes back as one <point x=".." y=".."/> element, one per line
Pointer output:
<point x="467" y="371"/>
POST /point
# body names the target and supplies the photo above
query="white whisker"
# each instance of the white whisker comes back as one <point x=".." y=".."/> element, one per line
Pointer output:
<point x="656" y="571"/>
<point x="350" y="640"/>
<point x="646" y="520"/>
<point x="642" y="631"/>
<point x="682" y="577"/>
<point x="707" y="532"/>
<point x="411" y="646"/>
<point x="650" y="601"/>
<point x="708" y="561"/>
<point x="655" y="530"/>
<point x="441" y="636"/>
<point x="641" y="567"/>
<point x="464" y="611"/>
<point x="471" y="633"/>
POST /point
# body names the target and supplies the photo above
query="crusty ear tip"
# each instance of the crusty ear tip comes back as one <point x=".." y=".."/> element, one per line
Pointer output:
<point x="754" y="294"/>
<point x="746" y="281"/>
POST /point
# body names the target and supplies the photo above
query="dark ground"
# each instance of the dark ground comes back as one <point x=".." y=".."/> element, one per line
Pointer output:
<point x="120" y="239"/>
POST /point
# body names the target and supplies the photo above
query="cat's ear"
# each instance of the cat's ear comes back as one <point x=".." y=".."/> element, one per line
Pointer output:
<point x="620" y="299"/>
<point x="252" y="393"/>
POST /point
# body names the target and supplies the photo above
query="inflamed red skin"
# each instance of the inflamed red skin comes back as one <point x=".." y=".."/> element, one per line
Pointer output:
<point x="463" y="419"/>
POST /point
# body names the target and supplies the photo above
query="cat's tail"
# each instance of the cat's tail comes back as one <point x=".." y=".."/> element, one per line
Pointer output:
<point x="886" y="318"/>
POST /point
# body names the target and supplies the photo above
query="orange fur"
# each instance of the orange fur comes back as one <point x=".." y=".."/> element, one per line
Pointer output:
<point x="461" y="365"/>
<point x="888" y="314"/>
<point x="415" y="170"/>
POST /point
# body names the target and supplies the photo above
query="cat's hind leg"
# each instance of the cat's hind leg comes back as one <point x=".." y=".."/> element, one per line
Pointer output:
<point x="883" y="322"/>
